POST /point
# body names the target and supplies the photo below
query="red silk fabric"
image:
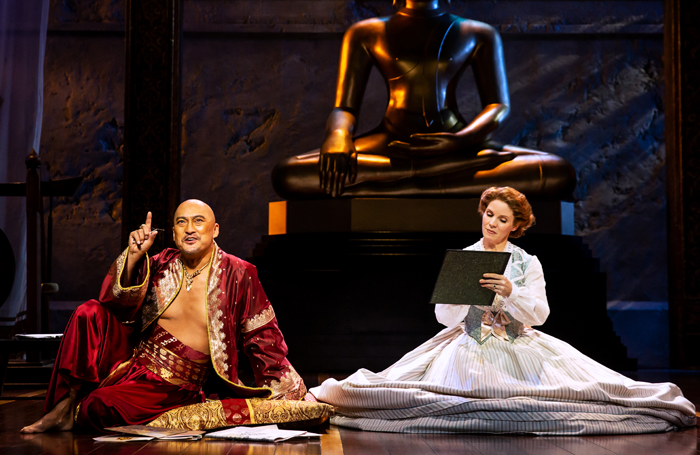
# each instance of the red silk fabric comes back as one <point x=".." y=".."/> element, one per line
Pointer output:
<point x="240" y="317"/>
<point x="97" y="343"/>
<point x="236" y="411"/>
<point x="137" y="398"/>
<point x="94" y="344"/>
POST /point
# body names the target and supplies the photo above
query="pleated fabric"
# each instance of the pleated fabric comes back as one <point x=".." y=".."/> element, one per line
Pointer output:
<point x="537" y="384"/>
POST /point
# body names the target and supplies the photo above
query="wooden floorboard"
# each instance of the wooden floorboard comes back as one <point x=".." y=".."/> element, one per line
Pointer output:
<point x="401" y="444"/>
<point x="357" y="442"/>
<point x="687" y="437"/>
<point x="536" y="446"/>
<point x="14" y="414"/>
<point x="660" y="443"/>
<point x="620" y="444"/>
<point x="450" y="444"/>
<point x="169" y="447"/>
<point x="494" y="445"/>
<point x="578" y="445"/>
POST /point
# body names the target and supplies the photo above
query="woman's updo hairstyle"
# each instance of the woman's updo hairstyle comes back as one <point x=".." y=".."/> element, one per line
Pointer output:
<point x="522" y="212"/>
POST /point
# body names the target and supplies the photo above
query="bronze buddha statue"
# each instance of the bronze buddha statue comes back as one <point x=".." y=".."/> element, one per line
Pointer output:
<point x="423" y="147"/>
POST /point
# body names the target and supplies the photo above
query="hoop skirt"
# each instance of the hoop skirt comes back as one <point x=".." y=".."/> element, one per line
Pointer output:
<point x="476" y="377"/>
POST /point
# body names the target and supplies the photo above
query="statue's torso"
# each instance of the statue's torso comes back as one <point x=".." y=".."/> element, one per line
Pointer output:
<point x="422" y="59"/>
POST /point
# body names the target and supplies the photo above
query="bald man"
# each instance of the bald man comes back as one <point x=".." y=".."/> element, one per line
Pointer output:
<point x="161" y="327"/>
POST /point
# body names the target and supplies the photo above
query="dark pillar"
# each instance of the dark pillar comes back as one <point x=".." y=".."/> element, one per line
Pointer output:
<point x="34" y="215"/>
<point x="682" y="60"/>
<point x="152" y="114"/>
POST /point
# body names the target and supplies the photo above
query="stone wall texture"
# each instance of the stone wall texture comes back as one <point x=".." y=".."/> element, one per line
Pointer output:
<point x="586" y="83"/>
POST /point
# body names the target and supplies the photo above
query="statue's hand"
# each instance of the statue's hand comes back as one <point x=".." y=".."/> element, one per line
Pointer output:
<point x="338" y="161"/>
<point x="432" y="143"/>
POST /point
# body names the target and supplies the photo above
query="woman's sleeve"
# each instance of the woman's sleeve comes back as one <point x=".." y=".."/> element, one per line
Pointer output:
<point x="451" y="315"/>
<point x="528" y="303"/>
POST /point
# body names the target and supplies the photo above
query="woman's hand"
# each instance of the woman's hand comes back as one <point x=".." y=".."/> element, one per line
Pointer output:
<point x="497" y="283"/>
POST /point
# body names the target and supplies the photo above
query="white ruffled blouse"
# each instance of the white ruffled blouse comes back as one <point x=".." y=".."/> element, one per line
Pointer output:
<point x="528" y="301"/>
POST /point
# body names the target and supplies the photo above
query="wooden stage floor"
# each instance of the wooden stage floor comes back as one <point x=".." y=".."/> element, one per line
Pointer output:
<point x="21" y="407"/>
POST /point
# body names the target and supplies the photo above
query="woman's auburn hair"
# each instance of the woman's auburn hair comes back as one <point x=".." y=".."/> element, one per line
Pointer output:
<point x="522" y="211"/>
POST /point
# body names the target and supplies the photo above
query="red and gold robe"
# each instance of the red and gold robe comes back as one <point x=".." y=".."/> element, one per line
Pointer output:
<point x="239" y="316"/>
<point x="104" y="353"/>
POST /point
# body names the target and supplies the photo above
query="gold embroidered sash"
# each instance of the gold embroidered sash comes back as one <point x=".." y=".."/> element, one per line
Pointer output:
<point x="173" y="361"/>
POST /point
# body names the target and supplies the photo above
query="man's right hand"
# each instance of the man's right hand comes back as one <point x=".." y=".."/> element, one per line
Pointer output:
<point x="337" y="161"/>
<point x="141" y="240"/>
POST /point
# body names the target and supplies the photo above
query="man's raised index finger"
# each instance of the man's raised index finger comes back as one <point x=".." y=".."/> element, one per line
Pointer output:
<point x="148" y="222"/>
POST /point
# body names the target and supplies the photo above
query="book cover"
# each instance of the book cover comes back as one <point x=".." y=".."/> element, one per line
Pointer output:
<point x="458" y="281"/>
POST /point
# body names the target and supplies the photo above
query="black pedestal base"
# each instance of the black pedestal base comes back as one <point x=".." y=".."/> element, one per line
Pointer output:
<point x="360" y="300"/>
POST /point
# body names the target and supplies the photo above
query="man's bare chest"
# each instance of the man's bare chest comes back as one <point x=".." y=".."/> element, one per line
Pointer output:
<point x="188" y="307"/>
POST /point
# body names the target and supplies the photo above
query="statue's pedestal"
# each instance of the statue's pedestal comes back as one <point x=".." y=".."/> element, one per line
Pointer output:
<point x="403" y="215"/>
<point x="348" y="299"/>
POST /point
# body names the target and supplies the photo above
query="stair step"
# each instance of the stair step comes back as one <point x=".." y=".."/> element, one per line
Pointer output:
<point x="28" y="374"/>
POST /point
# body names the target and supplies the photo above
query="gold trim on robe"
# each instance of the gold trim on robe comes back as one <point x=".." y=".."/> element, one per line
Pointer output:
<point x="215" y="318"/>
<point x="162" y="294"/>
<point x="131" y="295"/>
<point x="252" y="411"/>
<point x="217" y="336"/>
<point x="259" y="320"/>
<point x="289" y="387"/>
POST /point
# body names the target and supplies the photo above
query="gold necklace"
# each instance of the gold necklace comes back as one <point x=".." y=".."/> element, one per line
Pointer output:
<point x="190" y="278"/>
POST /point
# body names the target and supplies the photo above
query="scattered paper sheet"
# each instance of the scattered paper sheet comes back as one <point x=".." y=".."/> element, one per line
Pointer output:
<point x="123" y="438"/>
<point x="39" y="335"/>
<point x="267" y="433"/>
<point x="143" y="430"/>
<point x="193" y="435"/>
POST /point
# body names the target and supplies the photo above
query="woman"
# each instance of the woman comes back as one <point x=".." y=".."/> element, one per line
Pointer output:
<point x="490" y="372"/>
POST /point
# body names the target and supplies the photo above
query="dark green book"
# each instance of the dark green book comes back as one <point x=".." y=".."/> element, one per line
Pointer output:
<point x="458" y="281"/>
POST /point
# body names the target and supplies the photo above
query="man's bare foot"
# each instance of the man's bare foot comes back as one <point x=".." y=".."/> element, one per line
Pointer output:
<point x="60" y="418"/>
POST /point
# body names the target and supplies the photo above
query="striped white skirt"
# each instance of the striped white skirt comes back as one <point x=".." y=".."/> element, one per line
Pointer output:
<point x="538" y="384"/>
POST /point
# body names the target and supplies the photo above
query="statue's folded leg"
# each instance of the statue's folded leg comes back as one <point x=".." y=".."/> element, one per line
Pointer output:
<point x="298" y="177"/>
<point x="93" y="344"/>
<point x="537" y="174"/>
